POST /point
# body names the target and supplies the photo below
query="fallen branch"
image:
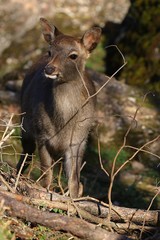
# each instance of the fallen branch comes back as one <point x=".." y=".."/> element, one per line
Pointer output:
<point x="75" y="226"/>
<point x="96" y="208"/>
<point x="33" y="196"/>
<point x="90" y="209"/>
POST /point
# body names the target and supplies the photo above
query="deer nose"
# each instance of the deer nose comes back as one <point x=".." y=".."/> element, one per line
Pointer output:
<point x="49" y="69"/>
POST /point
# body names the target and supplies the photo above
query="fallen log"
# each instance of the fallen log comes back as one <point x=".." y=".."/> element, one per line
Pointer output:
<point x="75" y="226"/>
<point x="98" y="208"/>
<point x="123" y="220"/>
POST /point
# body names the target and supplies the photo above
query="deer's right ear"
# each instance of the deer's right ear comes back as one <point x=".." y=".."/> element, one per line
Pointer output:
<point x="91" y="38"/>
<point x="49" y="32"/>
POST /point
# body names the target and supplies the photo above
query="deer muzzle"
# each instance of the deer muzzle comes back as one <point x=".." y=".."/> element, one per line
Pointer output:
<point x="51" y="72"/>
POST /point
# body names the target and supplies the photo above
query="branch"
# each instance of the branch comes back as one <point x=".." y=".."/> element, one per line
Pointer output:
<point x="92" y="206"/>
<point x="75" y="226"/>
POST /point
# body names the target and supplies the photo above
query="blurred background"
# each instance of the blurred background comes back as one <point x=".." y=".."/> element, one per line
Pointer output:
<point x="134" y="27"/>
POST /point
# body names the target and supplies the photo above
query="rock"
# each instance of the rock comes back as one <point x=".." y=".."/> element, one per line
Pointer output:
<point x="137" y="167"/>
<point x="7" y="97"/>
<point x="13" y="86"/>
<point x="127" y="178"/>
<point x="18" y="17"/>
<point x="20" y="38"/>
<point x="117" y="105"/>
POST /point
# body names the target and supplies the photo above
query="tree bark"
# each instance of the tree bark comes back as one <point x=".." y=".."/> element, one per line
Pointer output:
<point x="100" y="209"/>
<point x="75" y="226"/>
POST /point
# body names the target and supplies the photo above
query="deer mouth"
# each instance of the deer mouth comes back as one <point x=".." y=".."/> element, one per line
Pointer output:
<point x="54" y="76"/>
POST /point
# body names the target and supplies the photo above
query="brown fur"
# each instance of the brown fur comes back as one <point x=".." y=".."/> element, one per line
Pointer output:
<point x="54" y="93"/>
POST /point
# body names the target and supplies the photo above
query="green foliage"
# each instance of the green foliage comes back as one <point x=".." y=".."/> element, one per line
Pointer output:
<point x="141" y="45"/>
<point x="57" y="210"/>
<point x="43" y="233"/>
<point x="110" y="154"/>
<point x="5" y="233"/>
<point x="130" y="196"/>
<point x="17" y="132"/>
<point x="107" y="155"/>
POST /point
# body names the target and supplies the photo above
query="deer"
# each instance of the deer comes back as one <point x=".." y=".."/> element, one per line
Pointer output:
<point x="56" y="98"/>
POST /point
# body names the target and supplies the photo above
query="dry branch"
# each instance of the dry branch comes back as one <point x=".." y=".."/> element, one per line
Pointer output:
<point x="97" y="208"/>
<point x="91" y="206"/>
<point x="75" y="226"/>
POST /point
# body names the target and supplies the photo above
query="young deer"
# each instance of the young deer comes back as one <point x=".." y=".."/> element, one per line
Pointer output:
<point x="58" y="110"/>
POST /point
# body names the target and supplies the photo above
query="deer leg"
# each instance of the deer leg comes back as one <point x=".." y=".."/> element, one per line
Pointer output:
<point x="29" y="146"/>
<point x="46" y="170"/>
<point x="72" y="167"/>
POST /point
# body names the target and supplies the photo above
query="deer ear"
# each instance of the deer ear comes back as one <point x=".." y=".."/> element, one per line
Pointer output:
<point x="91" y="38"/>
<point x="49" y="32"/>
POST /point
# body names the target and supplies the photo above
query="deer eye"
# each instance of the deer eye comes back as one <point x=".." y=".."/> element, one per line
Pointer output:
<point x="73" y="56"/>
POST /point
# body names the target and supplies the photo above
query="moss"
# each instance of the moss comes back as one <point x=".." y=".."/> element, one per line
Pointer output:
<point x="43" y="233"/>
<point x="140" y="45"/>
<point x="5" y="233"/>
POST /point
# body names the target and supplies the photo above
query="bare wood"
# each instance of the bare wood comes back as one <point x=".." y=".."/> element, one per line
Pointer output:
<point x="120" y="228"/>
<point x="122" y="214"/>
<point x="91" y="206"/>
<point x="100" y="209"/>
<point x="68" y="207"/>
<point x="5" y="183"/>
<point x="75" y="226"/>
<point x="90" y="209"/>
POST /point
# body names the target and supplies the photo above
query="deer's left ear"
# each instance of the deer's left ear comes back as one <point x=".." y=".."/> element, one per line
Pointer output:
<point x="91" y="38"/>
<point x="49" y="32"/>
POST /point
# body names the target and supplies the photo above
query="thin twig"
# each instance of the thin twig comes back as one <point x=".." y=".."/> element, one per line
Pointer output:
<point x="138" y="150"/>
<point x="83" y="81"/>
<point x="77" y="209"/>
<point x="31" y="167"/>
<point x="100" y="159"/>
<point x="84" y="163"/>
<point x="7" y="126"/>
<point x="5" y="137"/>
<point x="151" y="203"/>
<point x="6" y="183"/>
<point x="59" y="179"/>
<point x="109" y="79"/>
<point x="20" y="170"/>
<point x="143" y="150"/>
<point x="113" y="45"/>
<point x="48" y="170"/>
<point x="113" y="173"/>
